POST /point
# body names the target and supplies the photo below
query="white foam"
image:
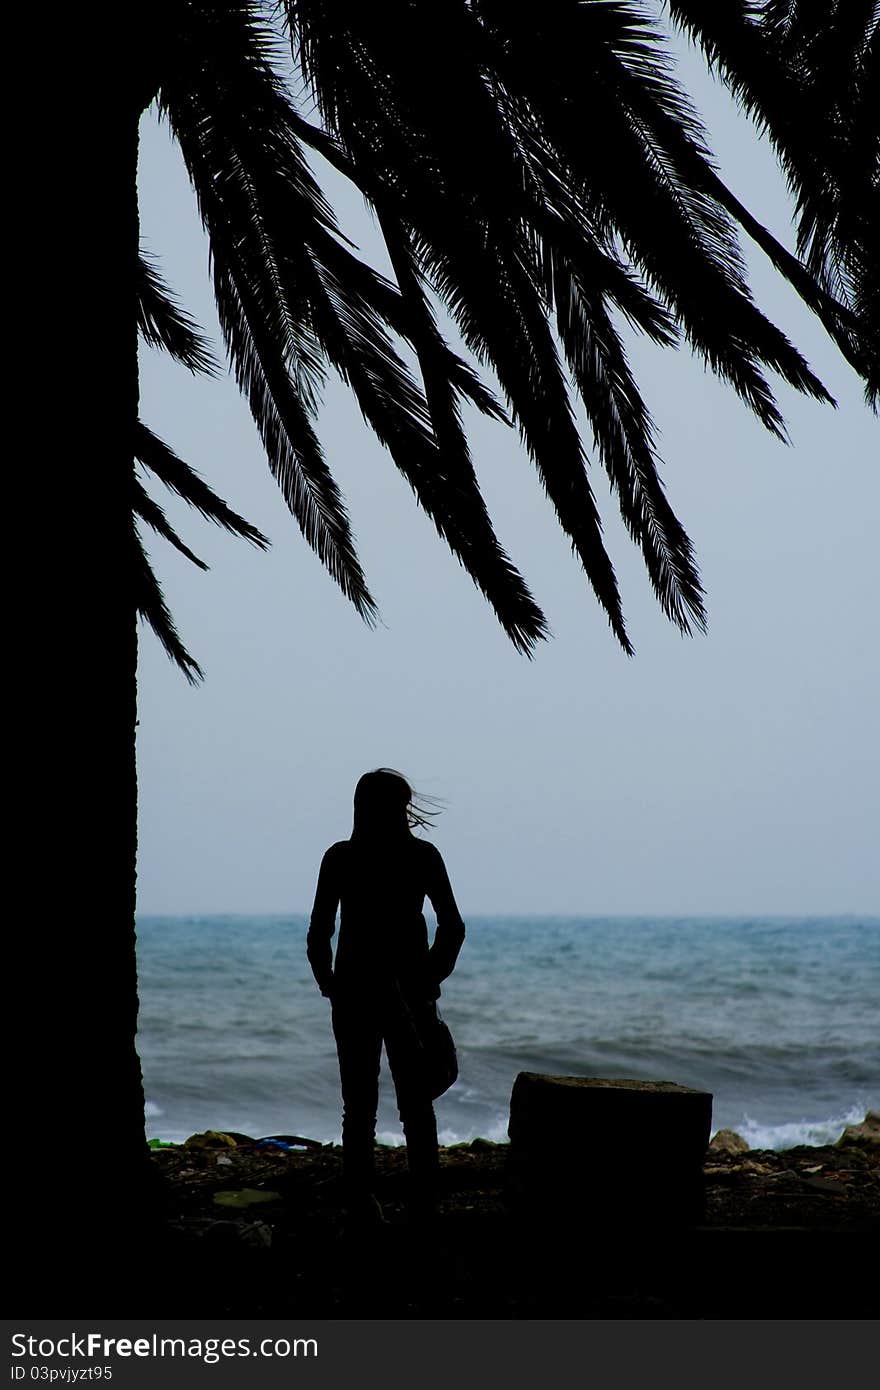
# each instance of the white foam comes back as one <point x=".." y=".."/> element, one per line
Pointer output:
<point x="812" y="1132"/>
<point x="386" y="1136"/>
<point x="151" y="1109"/>
<point x="495" y="1132"/>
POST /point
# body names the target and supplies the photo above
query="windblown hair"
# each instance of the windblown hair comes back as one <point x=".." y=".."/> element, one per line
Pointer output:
<point x="385" y="804"/>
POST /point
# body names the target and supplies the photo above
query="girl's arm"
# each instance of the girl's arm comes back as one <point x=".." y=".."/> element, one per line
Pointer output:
<point x="322" y="923"/>
<point x="449" y="936"/>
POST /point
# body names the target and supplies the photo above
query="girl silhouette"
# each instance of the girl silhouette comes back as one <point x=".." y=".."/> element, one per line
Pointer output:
<point x="384" y="976"/>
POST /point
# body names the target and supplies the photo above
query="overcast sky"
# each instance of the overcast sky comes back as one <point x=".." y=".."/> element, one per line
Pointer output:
<point x="735" y="773"/>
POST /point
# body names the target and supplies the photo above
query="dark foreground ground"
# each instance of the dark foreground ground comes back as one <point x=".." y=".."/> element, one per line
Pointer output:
<point x="257" y="1232"/>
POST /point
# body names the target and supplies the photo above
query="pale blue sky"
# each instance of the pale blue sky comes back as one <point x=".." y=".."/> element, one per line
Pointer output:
<point x="732" y="773"/>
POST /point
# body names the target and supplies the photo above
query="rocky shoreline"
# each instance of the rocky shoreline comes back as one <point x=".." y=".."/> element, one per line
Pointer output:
<point x="256" y="1229"/>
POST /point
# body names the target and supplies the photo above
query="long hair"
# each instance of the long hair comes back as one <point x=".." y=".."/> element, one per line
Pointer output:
<point x="385" y="805"/>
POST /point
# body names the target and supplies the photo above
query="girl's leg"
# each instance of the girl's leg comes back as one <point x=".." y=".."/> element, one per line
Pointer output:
<point x="359" y="1048"/>
<point x="416" y="1111"/>
<point x="422" y="1155"/>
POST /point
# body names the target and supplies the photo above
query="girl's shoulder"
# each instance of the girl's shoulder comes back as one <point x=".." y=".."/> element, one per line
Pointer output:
<point x="337" y="852"/>
<point x="426" y="851"/>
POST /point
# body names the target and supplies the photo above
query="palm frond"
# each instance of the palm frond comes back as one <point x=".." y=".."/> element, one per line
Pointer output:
<point x="423" y="435"/>
<point x="624" y="438"/>
<point x="513" y="208"/>
<point x="807" y="75"/>
<point x="226" y="108"/>
<point x="468" y="241"/>
<point x="294" y="452"/>
<point x="577" y="72"/>
<point x="403" y="307"/>
<point x="155" y="455"/>
<point x="351" y="302"/>
<point x="163" y="324"/>
<point x="566" y="185"/>
<point x="658" y="110"/>
<point x="298" y="276"/>
<point x="151" y="606"/>
<point x="150" y="512"/>
<point x="500" y="316"/>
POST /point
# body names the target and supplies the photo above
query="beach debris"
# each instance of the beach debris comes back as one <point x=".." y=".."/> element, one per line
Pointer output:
<point x="287" y="1142"/>
<point x="245" y="1197"/>
<point x="231" y="1139"/>
<point x="868" y="1132"/>
<point x="727" y="1141"/>
<point x="758" y="1169"/>
<point x="210" y="1139"/>
<point x="820" y="1184"/>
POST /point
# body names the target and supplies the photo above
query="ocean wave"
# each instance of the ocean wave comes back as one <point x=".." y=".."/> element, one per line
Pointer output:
<point x="776" y="1018"/>
<point x="795" y="1132"/>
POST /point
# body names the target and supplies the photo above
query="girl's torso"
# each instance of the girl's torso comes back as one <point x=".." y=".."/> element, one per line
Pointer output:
<point x="382" y="930"/>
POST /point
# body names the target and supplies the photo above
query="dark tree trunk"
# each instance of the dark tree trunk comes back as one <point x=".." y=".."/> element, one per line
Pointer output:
<point x="81" y="1173"/>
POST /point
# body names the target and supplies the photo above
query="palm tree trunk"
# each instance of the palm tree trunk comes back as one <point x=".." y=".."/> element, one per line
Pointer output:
<point x="82" y="1162"/>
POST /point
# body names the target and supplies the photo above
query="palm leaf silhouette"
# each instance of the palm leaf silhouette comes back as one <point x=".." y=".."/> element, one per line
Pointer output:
<point x="565" y="189"/>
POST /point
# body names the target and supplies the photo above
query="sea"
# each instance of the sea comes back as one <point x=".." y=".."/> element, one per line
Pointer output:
<point x="779" y="1018"/>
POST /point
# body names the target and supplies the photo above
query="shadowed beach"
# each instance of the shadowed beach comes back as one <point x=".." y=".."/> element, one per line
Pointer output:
<point x="252" y="1229"/>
